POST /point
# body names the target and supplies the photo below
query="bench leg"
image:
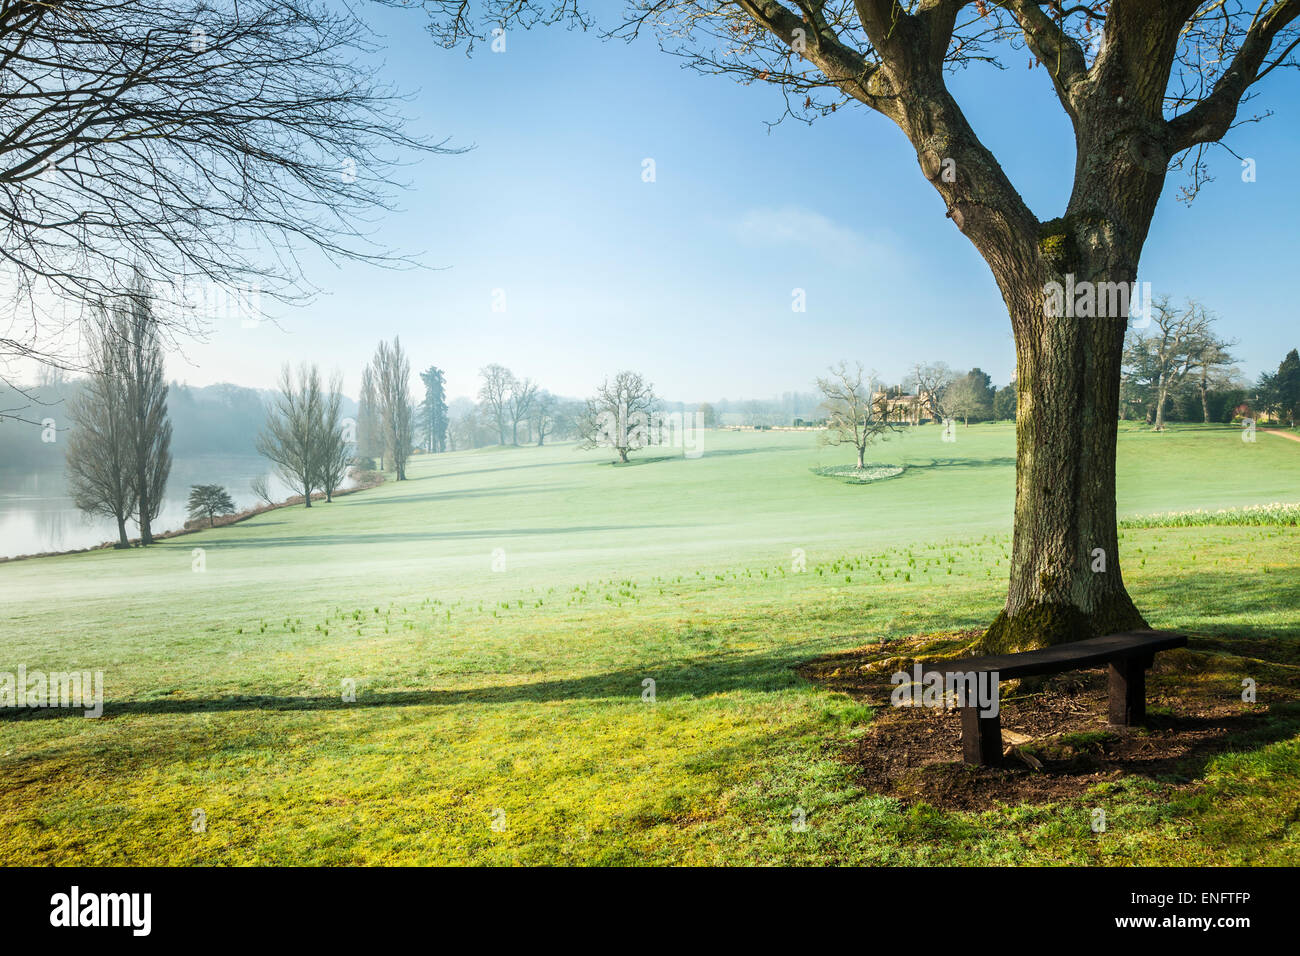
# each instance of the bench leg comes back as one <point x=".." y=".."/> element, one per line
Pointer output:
<point x="981" y="738"/>
<point x="1128" y="691"/>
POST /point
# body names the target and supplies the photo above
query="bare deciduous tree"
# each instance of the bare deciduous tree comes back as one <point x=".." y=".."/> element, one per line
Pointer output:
<point x="519" y="401"/>
<point x="618" y="415"/>
<point x="1146" y="84"/>
<point x="101" y="455"/>
<point x="543" y="416"/>
<point x="335" y="449"/>
<point x="856" y="414"/>
<point x="182" y="139"/>
<point x="260" y="488"/>
<point x="370" y="433"/>
<point x="1170" y="351"/>
<point x="151" y="431"/>
<point x="494" y="393"/>
<point x="1216" y="368"/>
<point x="931" y="383"/>
<point x="466" y="425"/>
<point x="294" y="425"/>
<point x="392" y="380"/>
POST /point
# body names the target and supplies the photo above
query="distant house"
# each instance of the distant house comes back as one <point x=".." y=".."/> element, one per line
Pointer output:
<point x="1261" y="417"/>
<point x="902" y="406"/>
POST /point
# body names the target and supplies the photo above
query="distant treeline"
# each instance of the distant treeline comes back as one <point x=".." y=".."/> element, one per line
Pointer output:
<point x="212" y="420"/>
<point x="556" y="418"/>
<point x="772" y="411"/>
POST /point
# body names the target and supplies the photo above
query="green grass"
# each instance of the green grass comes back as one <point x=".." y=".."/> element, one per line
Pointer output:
<point x="1276" y="513"/>
<point x="515" y="695"/>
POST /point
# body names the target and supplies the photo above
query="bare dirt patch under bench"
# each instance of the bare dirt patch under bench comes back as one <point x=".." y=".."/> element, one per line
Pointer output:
<point x="1056" y="740"/>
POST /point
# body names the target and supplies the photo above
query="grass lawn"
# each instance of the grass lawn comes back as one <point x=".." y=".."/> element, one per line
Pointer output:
<point x="501" y="612"/>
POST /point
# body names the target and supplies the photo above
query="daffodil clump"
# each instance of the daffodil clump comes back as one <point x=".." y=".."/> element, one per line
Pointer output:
<point x="1277" y="513"/>
<point x="860" y="476"/>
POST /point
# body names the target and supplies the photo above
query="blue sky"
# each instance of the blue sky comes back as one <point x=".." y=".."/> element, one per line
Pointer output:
<point x="688" y="279"/>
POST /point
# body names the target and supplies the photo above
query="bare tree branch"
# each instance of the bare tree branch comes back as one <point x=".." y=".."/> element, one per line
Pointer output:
<point x="203" y="144"/>
<point x="1211" y="117"/>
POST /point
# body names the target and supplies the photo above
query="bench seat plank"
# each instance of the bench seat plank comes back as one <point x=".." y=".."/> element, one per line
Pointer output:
<point x="1075" y="655"/>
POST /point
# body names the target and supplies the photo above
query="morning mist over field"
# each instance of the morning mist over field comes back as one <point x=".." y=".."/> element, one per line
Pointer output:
<point x="765" y="433"/>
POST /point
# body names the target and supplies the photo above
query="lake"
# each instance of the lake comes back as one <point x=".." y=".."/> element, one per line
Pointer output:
<point x="36" y="513"/>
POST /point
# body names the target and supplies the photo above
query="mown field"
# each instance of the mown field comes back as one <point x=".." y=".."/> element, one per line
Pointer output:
<point x="501" y="611"/>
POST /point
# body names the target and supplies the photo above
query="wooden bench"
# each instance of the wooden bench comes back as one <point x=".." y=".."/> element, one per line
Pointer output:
<point x="1128" y="655"/>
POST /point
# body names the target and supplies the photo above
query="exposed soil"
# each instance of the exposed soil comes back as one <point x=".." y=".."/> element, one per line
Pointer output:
<point x="1056" y="740"/>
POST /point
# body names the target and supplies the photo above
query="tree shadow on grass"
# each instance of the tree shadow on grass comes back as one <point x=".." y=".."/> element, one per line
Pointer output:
<point x="475" y="472"/>
<point x="444" y="496"/>
<point x="639" y="460"/>
<point x="705" y="453"/>
<point x="393" y="537"/>
<point x="913" y="757"/>
<point x="699" y="677"/>
<point x="962" y="463"/>
<point x="729" y="452"/>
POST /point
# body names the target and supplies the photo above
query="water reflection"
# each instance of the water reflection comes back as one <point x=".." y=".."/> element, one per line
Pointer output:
<point x="36" y="513"/>
<point x="52" y="525"/>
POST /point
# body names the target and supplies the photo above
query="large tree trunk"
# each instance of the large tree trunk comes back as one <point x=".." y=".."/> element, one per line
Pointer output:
<point x="1065" y="581"/>
<point x="1068" y="367"/>
<point x="1162" y="397"/>
<point x="1205" y="403"/>
<point x="122" y="540"/>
